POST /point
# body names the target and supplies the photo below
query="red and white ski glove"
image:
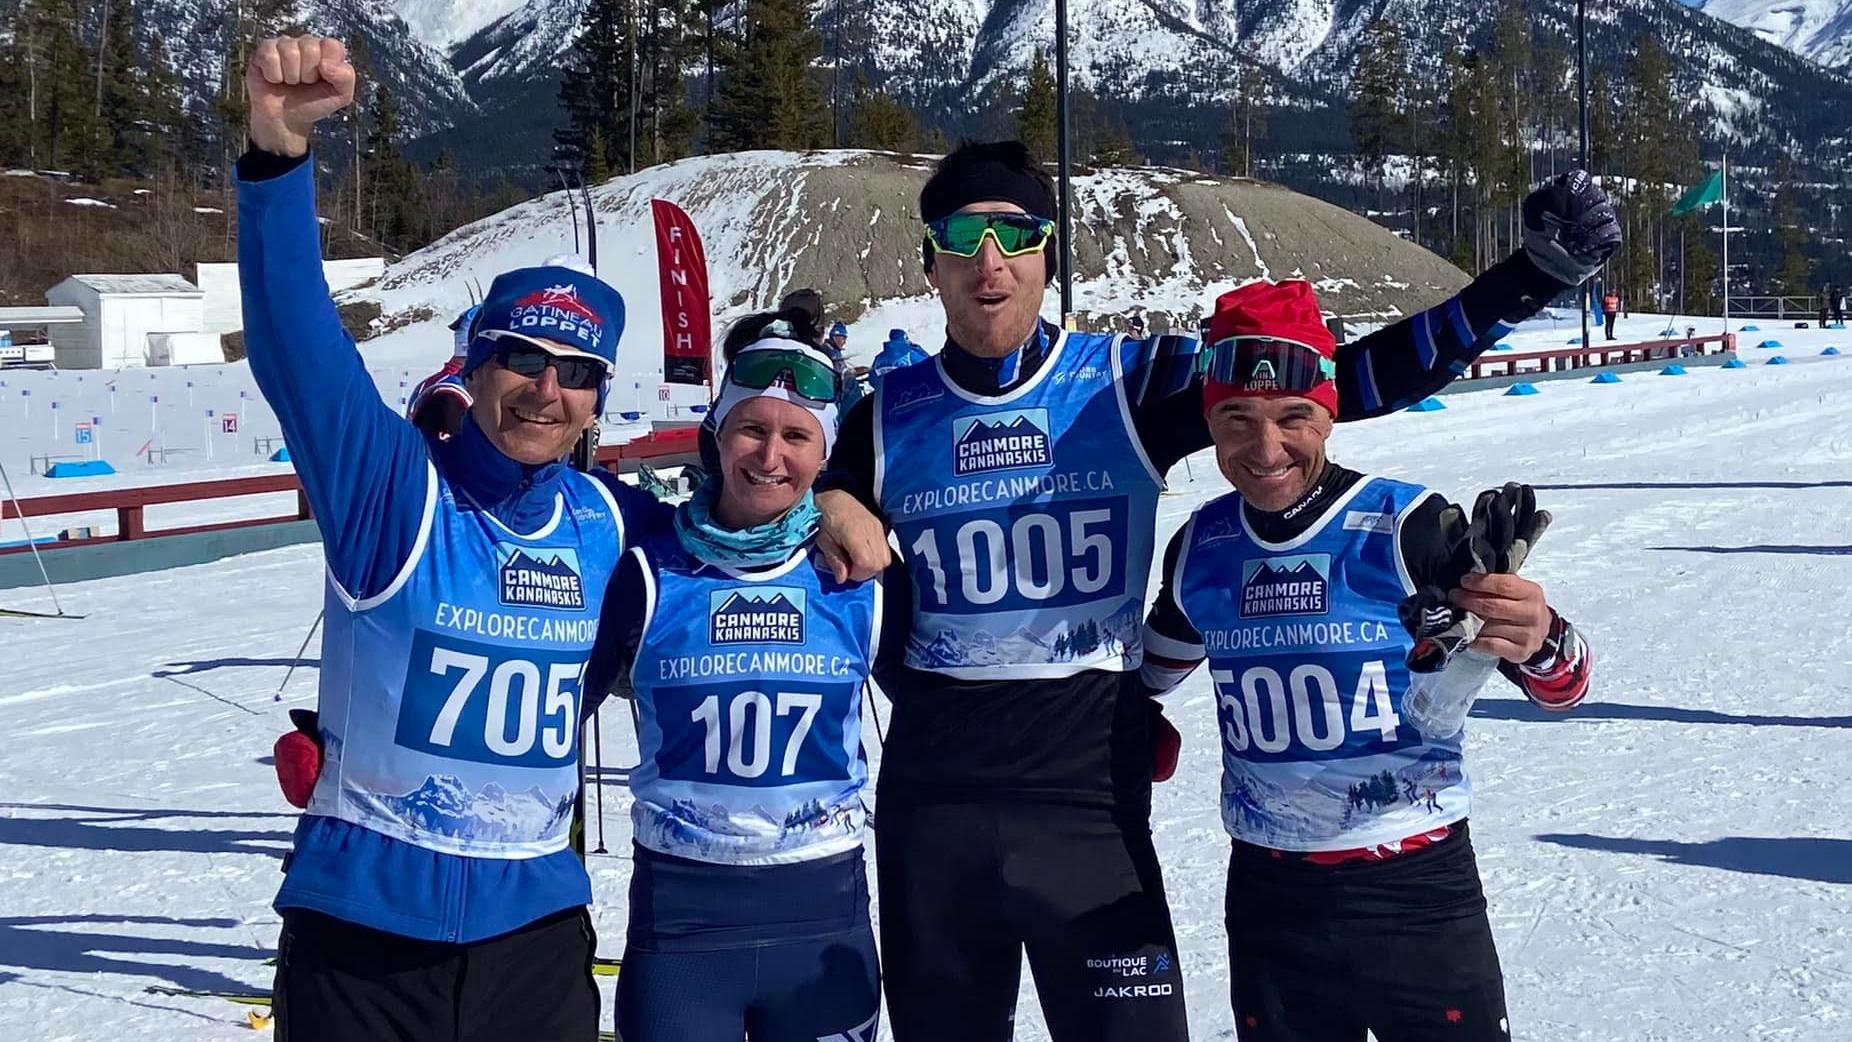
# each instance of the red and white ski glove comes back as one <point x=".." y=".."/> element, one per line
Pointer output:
<point x="1166" y="744"/>
<point x="298" y="757"/>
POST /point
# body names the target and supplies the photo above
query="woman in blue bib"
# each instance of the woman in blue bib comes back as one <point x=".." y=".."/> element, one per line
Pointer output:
<point x="749" y="898"/>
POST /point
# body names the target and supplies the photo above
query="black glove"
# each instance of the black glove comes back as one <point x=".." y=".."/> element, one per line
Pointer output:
<point x="1570" y="228"/>
<point x="1506" y="524"/>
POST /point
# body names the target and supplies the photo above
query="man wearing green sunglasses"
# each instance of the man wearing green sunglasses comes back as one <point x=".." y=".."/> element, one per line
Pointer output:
<point x="1020" y="473"/>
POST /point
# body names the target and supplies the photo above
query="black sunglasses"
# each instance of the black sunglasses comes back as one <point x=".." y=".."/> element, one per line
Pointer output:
<point x="530" y="360"/>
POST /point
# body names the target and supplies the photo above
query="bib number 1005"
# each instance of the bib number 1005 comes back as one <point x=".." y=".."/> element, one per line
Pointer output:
<point x="1291" y="712"/>
<point x="1019" y="559"/>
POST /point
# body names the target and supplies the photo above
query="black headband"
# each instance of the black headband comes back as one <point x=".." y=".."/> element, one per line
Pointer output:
<point x="985" y="182"/>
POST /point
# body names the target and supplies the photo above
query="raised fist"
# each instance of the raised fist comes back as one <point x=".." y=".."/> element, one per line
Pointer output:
<point x="295" y="82"/>
<point x="1570" y="228"/>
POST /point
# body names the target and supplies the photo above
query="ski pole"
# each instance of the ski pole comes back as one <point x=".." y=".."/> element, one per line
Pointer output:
<point x="19" y="510"/>
<point x="293" y="663"/>
<point x="598" y="778"/>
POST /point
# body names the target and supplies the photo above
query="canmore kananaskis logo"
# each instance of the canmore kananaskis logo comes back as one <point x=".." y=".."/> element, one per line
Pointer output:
<point x="1000" y="441"/>
<point x="540" y="577"/>
<point x="1299" y="585"/>
<point x="756" y="615"/>
<point x="556" y="309"/>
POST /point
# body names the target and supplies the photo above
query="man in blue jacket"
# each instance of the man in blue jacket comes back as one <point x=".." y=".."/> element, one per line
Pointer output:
<point x="432" y="893"/>
<point x="897" y="352"/>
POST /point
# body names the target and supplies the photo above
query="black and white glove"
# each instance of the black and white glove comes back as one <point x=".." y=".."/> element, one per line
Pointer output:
<point x="1570" y="229"/>
<point x="1506" y="524"/>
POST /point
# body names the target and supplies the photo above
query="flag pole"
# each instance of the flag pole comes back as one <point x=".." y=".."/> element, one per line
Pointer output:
<point x="1726" y="246"/>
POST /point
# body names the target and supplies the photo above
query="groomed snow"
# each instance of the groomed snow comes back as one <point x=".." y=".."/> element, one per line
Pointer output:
<point x="1670" y="863"/>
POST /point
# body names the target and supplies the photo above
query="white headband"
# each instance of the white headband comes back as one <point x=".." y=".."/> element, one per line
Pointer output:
<point x="731" y="394"/>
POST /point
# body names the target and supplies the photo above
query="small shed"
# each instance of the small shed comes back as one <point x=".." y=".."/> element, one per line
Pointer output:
<point x="120" y="312"/>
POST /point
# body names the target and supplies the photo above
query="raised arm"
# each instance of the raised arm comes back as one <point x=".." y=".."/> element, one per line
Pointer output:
<point x="363" y="468"/>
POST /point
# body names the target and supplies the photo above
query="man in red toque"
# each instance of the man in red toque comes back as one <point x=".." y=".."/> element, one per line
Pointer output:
<point x="1348" y="621"/>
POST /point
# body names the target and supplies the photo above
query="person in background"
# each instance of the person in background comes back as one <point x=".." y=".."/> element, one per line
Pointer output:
<point x="838" y="343"/>
<point x="1610" y="306"/>
<point x="1135" y="327"/>
<point x="897" y="352"/>
<point x="1321" y="598"/>
<point x="439" y="402"/>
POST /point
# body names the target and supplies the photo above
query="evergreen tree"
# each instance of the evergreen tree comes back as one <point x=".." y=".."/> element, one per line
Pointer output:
<point x="1700" y="268"/>
<point x="164" y="119"/>
<point x="1376" y="114"/>
<point x="1112" y="145"/>
<point x="1035" y="117"/>
<point x="770" y="98"/>
<point x="1247" y="121"/>
<point x="397" y="190"/>
<point x="595" y="91"/>
<point x="878" y="121"/>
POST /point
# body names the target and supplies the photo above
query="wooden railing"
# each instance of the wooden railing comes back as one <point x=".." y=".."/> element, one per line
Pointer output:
<point x="130" y="504"/>
<point x="1596" y="355"/>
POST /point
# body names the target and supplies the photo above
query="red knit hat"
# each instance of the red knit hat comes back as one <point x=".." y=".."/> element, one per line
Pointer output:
<point x="1278" y="311"/>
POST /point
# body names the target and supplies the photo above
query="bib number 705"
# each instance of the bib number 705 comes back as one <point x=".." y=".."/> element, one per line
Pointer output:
<point x="469" y="705"/>
<point x="1295" y="711"/>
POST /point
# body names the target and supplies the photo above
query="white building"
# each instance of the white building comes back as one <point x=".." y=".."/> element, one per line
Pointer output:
<point x="124" y="319"/>
<point x="225" y="305"/>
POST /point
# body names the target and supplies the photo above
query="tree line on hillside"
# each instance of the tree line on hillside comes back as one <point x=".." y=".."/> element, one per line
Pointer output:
<point x="1457" y="155"/>
<point x="86" y="90"/>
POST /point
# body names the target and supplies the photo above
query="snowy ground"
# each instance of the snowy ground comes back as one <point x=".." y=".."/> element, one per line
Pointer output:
<point x="1671" y="863"/>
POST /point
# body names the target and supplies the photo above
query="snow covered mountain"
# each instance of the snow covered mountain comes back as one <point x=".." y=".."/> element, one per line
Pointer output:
<point x="487" y="67"/>
<point x="1820" y="30"/>
<point x="1168" y="65"/>
<point x="198" y="34"/>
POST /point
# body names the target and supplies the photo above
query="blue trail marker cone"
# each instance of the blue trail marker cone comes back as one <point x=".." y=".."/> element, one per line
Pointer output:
<point x="1830" y="351"/>
<point x="1427" y="405"/>
<point x="1735" y="363"/>
<point x="1778" y="360"/>
<point x="1606" y="378"/>
<point x="1673" y="370"/>
<point x="1520" y="390"/>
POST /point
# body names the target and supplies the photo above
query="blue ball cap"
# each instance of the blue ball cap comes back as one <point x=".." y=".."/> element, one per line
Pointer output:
<point x="579" y="311"/>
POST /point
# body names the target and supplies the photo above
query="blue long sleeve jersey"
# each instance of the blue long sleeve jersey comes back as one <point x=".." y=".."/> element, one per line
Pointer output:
<point x="365" y="471"/>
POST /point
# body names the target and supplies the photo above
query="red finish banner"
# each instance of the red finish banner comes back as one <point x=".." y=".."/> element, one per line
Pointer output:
<point x="687" y="332"/>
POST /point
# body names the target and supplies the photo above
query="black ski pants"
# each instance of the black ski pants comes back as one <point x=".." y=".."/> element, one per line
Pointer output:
<point x="1401" y="948"/>
<point x="967" y="888"/>
<point x="339" y="982"/>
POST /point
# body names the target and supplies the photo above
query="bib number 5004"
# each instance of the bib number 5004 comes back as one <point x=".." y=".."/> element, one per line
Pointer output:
<point x="1302" y="712"/>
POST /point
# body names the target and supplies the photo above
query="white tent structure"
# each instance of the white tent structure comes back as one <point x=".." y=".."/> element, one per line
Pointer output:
<point x="131" y="321"/>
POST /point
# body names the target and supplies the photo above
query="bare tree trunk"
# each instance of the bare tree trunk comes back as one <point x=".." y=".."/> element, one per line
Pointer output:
<point x="102" y="48"/>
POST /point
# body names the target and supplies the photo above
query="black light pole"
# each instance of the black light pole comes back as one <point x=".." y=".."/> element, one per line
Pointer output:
<point x="1066" y="203"/>
<point x="1582" y="296"/>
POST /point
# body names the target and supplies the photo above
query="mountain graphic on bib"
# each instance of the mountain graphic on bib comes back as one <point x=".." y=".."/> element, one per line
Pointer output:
<point x="770" y="616"/>
<point x="444" y="805"/>
<point x="546" y="579"/>
<point x="1001" y="441"/>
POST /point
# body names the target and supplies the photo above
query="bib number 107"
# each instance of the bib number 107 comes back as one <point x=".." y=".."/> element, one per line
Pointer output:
<point x="1290" y="712"/>
<point x="744" y="739"/>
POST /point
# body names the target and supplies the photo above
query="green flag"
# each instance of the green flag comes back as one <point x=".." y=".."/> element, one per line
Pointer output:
<point x="1703" y="194"/>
